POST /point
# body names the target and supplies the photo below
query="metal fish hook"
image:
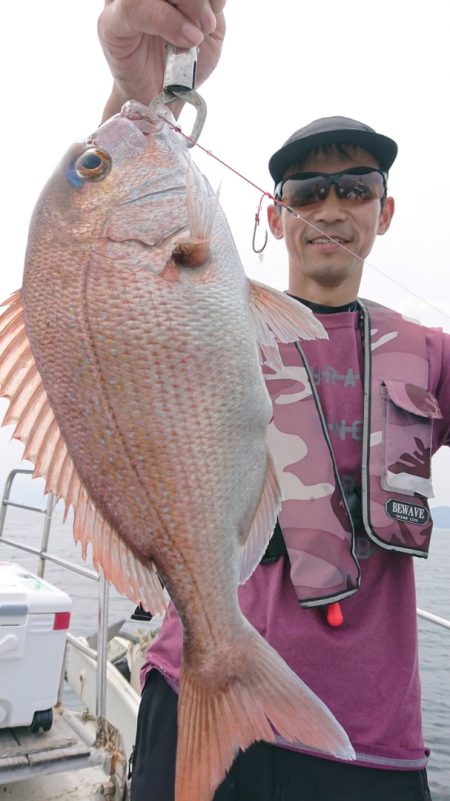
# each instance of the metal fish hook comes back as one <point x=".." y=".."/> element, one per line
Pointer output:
<point x="179" y="83"/>
<point x="255" y="229"/>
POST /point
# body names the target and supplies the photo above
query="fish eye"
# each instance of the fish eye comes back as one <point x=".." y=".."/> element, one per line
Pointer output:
<point x="93" y="165"/>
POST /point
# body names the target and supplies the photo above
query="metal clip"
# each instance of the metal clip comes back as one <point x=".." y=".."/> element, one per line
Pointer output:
<point x="181" y="66"/>
<point x="179" y="84"/>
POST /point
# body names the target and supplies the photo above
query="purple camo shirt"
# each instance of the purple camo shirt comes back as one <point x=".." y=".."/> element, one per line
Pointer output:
<point x="367" y="670"/>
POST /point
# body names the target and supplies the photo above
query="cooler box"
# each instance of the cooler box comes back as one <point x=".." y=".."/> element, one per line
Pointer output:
<point x="34" y="618"/>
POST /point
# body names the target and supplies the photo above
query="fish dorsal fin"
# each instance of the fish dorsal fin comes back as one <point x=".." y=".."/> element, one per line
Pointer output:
<point x="279" y="317"/>
<point x="263" y="524"/>
<point x="36" y="427"/>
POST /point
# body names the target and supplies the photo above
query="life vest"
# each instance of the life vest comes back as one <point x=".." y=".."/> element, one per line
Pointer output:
<point x="315" y="518"/>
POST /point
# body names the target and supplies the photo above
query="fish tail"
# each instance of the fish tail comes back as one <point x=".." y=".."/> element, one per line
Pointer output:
<point x="264" y="693"/>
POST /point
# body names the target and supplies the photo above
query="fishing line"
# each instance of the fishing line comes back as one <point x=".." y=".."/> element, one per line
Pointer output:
<point x="265" y="193"/>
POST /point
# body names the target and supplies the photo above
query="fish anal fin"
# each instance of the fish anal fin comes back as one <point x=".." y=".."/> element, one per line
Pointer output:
<point x="261" y="696"/>
<point x="263" y="524"/>
<point x="122" y="567"/>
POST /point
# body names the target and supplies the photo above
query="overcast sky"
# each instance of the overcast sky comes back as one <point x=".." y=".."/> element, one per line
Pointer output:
<point x="284" y="64"/>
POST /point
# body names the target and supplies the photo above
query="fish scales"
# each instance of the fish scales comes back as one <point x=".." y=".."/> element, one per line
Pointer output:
<point x="153" y="417"/>
<point x="159" y="429"/>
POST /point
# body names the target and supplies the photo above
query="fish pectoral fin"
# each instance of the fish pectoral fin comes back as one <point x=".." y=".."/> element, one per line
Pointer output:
<point x="215" y="722"/>
<point x="36" y="427"/>
<point x="194" y="249"/>
<point x="257" y="539"/>
<point x="279" y="317"/>
<point x="201" y="203"/>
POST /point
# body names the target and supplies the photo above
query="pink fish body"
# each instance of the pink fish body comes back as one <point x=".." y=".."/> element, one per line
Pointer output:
<point x="131" y="361"/>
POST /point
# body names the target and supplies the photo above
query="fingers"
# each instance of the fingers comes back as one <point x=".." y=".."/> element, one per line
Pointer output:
<point x="133" y="35"/>
<point x="128" y="19"/>
<point x="201" y="13"/>
<point x="217" y="5"/>
<point x="184" y="23"/>
<point x="220" y="29"/>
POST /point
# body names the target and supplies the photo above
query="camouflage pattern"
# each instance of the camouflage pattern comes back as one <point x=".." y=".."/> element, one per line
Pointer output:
<point x="398" y="449"/>
<point x="314" y="517"/>
<point x="396" y="473"/>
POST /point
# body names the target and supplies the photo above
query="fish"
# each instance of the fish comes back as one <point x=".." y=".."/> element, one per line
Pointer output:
<point x="131" y="358"/>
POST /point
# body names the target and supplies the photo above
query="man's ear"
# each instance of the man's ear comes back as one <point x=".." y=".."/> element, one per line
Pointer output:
<point x="274" y="219"/>
<point x="387" y="212"/>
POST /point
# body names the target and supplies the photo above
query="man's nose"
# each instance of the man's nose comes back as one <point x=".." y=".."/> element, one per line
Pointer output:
<point x="331" y="208"/>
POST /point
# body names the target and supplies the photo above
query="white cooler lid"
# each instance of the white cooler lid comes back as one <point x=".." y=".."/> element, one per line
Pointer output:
<point x="20" y="587"/>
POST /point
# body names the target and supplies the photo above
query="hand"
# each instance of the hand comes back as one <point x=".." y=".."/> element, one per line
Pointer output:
<point x="133" y="35"/>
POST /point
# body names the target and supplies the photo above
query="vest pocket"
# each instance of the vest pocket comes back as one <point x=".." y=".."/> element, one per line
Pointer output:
<point x="408" y="412"/>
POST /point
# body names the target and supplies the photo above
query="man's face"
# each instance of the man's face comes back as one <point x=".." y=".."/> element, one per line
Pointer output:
<point x="314" y="261"/>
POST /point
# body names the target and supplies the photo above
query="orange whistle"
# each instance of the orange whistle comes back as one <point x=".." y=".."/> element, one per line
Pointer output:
<point x="334" y="615"/>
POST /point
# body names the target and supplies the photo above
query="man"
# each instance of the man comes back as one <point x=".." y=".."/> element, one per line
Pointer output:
<point x="335" y="593"/>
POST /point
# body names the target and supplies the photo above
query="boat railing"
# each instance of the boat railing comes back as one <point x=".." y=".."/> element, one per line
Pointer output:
<point x="440" y="621"/>
<point x="44" y="556"/>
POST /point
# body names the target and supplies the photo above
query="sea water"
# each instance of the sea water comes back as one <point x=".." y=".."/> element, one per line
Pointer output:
<point x="433" y="580"/>
<point x="433" y="595"/>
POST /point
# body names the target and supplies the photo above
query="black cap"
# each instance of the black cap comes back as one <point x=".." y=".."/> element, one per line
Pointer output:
<point x="330" y="130"/>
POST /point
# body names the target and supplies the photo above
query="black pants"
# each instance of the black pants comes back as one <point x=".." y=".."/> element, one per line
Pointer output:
<point x="262" y="773"/>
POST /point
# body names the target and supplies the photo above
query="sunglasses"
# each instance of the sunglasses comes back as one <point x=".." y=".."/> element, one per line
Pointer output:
<point x="356" y="185"/>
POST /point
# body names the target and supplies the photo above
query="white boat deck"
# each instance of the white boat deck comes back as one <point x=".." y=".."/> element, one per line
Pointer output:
<point x="24" y="754"/>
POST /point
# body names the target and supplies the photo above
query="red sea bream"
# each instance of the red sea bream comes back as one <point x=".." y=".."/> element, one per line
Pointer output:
<point x="130" y="358"/>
